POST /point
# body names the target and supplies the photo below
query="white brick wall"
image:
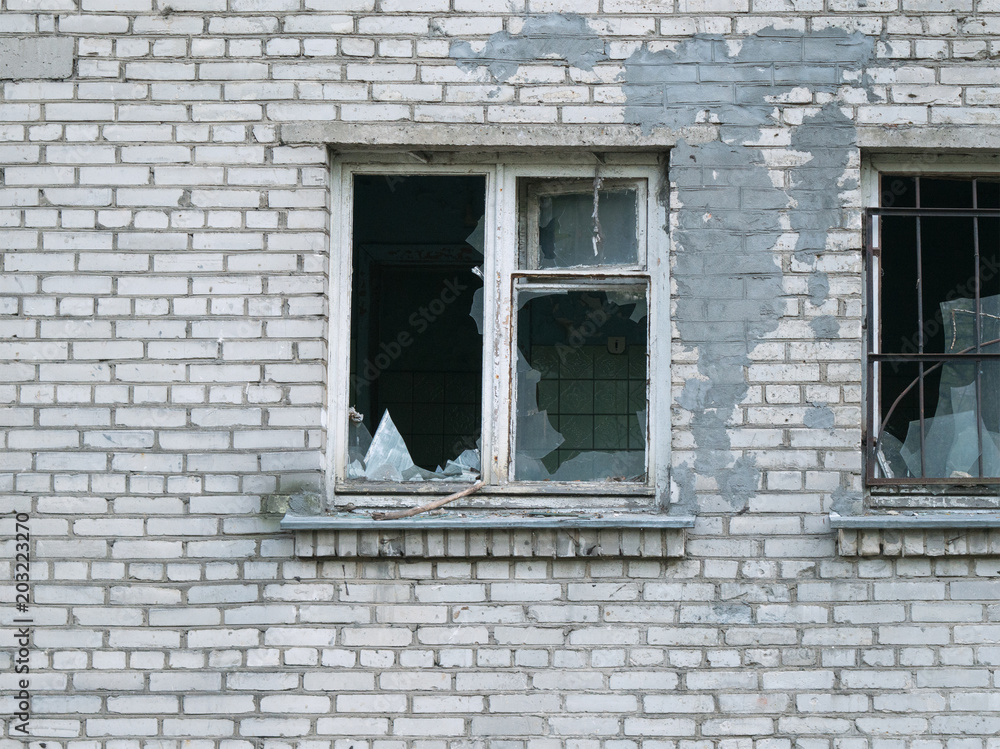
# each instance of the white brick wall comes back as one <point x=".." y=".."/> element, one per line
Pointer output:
<point x="163" y="328"/>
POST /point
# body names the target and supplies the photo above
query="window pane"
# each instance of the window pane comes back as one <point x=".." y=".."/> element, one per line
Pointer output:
<point x="575" y="223"/>
<point x="939" y="293"/>
<point x="580" y="383"/>
<point x="898" y="191"/>
<point x="961" y="421"/>
<point x="936" y="192"/>
<point x="899" y="326"/>
<point x="988" y="193"/>
<point x="947" y="271"/>
<point x="416" y="318"/>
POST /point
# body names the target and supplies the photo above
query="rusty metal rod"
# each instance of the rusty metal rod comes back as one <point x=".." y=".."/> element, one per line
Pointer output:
<point x="430" y="505"/>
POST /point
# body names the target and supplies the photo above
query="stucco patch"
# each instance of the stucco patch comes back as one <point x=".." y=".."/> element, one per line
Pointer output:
<point x="550" y="37"/>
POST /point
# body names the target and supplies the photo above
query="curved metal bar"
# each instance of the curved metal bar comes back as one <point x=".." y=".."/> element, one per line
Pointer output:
<point x="908" y="388"/>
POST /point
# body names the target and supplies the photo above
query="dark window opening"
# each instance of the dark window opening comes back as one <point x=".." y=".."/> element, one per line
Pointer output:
<point x="934" y="349"/>
<point x="416" y="319"/>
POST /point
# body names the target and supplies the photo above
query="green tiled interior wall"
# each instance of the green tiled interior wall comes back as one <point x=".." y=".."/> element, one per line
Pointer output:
<point x="436" y="413"/>
<point x="591" y="397"/>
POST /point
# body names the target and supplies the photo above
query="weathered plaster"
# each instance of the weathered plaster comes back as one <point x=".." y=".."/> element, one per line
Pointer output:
<point x="824" y="326"/>
<point x="731" y="219"/>
<point x="437" y="137"/>
<point x="27" y="58"/>
<point x="820" y="416"/>
<point x="847" y="502"/>
<point x="729" y="213"/>
<point x="550" y="37"/>
<point x="728" y="295"/>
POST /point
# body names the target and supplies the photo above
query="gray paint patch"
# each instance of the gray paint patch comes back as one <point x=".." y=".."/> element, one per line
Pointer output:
<point x="36" y="57"/>
<point x="819" y="417"/>
<point x="670" y="87"/>
<point x="729" y="293"/>
<point x="550" y="37"/>
<point x="727" y="273"/>
<point x="728" y="278"/>
<point x="818" y="287"/>
<point x="847" y="502"/>
<point x="825" y="326"/>
<point x="829" y="137"/>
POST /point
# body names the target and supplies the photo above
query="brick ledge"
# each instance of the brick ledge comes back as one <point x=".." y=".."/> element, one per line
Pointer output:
<point x="494" y="536"/>
<point x="925" y="534"/>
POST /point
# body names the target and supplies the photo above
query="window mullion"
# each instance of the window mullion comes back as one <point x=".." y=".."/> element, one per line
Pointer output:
<point x="341" y="207"/>
<point x="656" y="244"/>
<point x="501" y="263"/>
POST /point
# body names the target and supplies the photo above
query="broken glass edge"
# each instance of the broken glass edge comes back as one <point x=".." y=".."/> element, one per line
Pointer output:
<point x="524" y="457"/>
<point x="388" y="459"/>
<point x="951" y="452"/>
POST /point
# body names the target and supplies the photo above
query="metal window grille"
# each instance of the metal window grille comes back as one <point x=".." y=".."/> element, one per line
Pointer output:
<point x="926" y="365"/>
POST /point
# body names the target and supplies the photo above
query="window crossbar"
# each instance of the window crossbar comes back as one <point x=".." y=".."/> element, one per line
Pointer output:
<point x="901" y="383"/>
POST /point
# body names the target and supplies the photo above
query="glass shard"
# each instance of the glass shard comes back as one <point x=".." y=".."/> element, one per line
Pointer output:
<point x="387" y="456"/>
<point x="388" y="459"/>
<point x="476" y="312"/>
<point x="960" y="438"/>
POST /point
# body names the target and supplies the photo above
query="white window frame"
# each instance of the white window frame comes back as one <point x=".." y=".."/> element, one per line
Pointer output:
<point x="929" y="164"/>
<point x="499" y="342"/>
<point x="561" y="187"/>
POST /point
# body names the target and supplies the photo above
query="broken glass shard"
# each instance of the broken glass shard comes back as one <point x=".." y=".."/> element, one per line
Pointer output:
<point x="536" y="437"/>
<point x="889" y="458"/>
<point x="477" y="240"/>
<point x="358" y="439"/>
<point x="355" y="470"/>
<point x="476" y="313"/>
<point x="951" y="447"/>
<point x="387" y="457"/>
<point x="416" y="346"/>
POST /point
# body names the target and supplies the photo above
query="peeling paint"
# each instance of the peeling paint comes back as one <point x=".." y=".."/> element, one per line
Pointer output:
<point x="731" y="218"/>
<point x="829" y="137"/>
<point x="726" y="272"/>
<point x="820" y="416"/>
<point x="729" y="290"/>
<point x="825" y="326"/>
<point x="566" y="38"/>
<point x="847" y="502"/>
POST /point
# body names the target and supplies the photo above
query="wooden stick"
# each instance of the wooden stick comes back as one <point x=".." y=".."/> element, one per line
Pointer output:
<point x="430" y="505"/>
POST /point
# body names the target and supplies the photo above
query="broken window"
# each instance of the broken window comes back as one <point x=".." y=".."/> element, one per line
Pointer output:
<point x="580" y="384"/>
<point x="500" y="319"/>
<point x="934" y="332"/>
<point x="416" y="352"/>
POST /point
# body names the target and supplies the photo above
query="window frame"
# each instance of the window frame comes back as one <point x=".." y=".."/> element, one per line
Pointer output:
<point x="502" y="272"/>
<point x="535" y="192"/>
<point x="908" y="491"/>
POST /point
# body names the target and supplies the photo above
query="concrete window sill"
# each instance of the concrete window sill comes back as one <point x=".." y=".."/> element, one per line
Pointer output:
<point x="464" y="535"/>
<point x="918" y="534"/>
